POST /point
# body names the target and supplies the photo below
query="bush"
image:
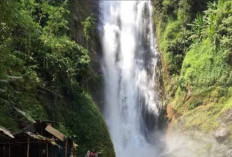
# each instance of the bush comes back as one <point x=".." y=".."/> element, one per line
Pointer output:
<point x="45" y="73"/>
<point x="193" y="105"/>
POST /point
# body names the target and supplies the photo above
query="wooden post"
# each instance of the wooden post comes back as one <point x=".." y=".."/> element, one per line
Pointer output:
<point x="66" y="148"/>
<point x="28" y="146"/>
<point x="9" y="149"/>
<point x="47" y="149"/>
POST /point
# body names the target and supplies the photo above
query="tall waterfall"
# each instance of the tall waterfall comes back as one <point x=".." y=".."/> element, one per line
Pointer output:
<point x="128" y="63"/>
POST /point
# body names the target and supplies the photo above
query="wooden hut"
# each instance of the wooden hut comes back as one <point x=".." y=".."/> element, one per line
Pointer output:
<point x="5" y="145"/>
<point x="40" y="139"/>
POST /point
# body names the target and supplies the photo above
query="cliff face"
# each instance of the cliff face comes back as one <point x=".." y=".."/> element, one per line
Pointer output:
<point x="85" y="20"/>
<point x="194" y="40"/>
<point x="84" y="24"/>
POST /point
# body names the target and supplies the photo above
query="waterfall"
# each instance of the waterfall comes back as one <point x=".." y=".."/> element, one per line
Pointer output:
<point x="129" y="61"/>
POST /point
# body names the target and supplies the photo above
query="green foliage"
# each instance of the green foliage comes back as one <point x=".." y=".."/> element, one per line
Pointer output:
<point x="169" y="6"/>
<point x="197" y="27"/>
<point x="207" y="62"/>
<point x="90" y="127"/>
<point x="203" y="118"/>
<point x="184" y="7"/>
<point x="194" y="105"/>
<point x="175" y="42"/>
<point x="44" y="73"/>
<point x="174" y="30"/>
<point x="89" y="26"/>
<point x="195" y="40"/>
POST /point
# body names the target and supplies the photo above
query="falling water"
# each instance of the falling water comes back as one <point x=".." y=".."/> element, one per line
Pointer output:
<point x="128" y="63"/>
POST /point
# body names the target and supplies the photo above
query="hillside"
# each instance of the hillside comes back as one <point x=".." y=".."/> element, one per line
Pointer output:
<point x="46" y="73"/>
<point x="194" y="39"/>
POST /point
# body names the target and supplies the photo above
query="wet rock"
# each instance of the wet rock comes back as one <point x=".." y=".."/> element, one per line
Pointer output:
<point x="221" y="134"/>
<point x="229" y="152"/>
<point x="226" y="117"/>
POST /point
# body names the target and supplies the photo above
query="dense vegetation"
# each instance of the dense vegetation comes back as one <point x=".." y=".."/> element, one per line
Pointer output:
<point x="195" y="41"/>
<point x="44" y="73"/>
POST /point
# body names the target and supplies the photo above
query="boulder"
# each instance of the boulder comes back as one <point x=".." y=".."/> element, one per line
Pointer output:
<point x="221" y="134"/>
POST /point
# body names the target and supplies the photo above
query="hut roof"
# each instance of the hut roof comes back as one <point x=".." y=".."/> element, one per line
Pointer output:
<point x="42" y="138"/>
<point x="6" y="132"/>
<point x="55" y="132"/>
<point x="38" y="137"/>
<point x="44" y="128"/>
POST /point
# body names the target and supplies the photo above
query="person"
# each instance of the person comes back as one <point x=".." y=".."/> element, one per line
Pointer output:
<point x="95" y="153"/>
<point x="87" y="154"/>
<point x="92" y="153"/>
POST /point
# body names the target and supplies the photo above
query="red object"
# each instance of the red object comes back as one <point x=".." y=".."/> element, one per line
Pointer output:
<point x="91" y="154"/>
